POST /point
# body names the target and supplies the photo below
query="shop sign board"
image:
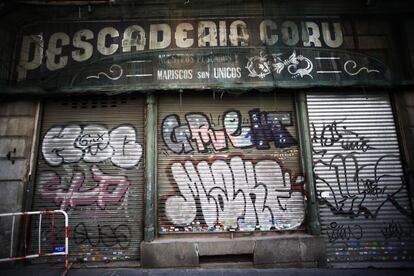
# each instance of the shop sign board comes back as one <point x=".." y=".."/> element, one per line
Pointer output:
<point x="190" y="53"/>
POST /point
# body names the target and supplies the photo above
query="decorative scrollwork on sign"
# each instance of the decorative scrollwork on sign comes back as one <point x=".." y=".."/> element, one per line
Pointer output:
<point x="261" y="63"/>
<point x="260" y="66"/>
<point x="354" y="66"/>
<point x="112" y="70"/>
<point x="294" y="61"/>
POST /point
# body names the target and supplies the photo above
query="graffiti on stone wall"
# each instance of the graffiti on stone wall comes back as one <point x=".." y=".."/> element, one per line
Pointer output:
<point x="265" y="128"/>
<point x="236" y="193"/>
<point x="92" y="144"/>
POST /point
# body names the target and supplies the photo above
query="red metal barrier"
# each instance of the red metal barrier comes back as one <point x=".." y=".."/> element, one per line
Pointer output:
<point x="26" y="224"/>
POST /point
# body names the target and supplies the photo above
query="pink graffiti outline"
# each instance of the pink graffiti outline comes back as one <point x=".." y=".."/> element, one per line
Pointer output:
<point x="100" y="194"/>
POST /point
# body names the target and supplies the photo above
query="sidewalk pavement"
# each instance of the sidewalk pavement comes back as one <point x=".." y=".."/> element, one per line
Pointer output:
<point x="57" y="270"/>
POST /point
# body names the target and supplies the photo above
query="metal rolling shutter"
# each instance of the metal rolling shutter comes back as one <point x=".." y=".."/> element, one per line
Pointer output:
<point x="365" y="211"/>
<point x="91" y="165"/>
<point x="228" y="163"/>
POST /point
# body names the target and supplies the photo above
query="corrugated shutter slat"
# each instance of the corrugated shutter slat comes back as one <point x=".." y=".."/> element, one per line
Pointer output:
<point x="91" y="165"/>
<point x="365" y="211"/>
<point x="212" y="176"/>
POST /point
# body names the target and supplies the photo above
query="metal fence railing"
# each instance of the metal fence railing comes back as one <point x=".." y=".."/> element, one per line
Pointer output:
<point x="56" y="251"/>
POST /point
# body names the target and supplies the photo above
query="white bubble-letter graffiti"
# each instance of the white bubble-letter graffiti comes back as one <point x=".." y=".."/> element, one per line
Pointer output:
<point x="59" y="145"/>
<point x="259" y="193"/>
<point x="92" y="144"/>
<point x="127" y="152"/>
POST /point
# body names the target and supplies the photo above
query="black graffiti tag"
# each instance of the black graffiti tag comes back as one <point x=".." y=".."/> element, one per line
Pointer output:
<point x="329" y="135"/>
<point x="338" y="231"/>
<point x="332" y="133"/>
<point x="372" y="188"/>
<point x="349" y="191"/>
<point x="106" y="235"/>
<point x="392" y="230"/>
<point x="357" y="142"/>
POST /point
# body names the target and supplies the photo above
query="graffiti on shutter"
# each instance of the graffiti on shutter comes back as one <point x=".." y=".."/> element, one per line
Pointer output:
<point x="228" y="172"/>
<point x="92" y="144"/>
<point x="90" y="170"/>
<point x="364" y="205"/>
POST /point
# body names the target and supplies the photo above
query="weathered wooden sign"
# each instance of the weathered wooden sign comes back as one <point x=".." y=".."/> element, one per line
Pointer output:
<point x="242" y="52"/>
